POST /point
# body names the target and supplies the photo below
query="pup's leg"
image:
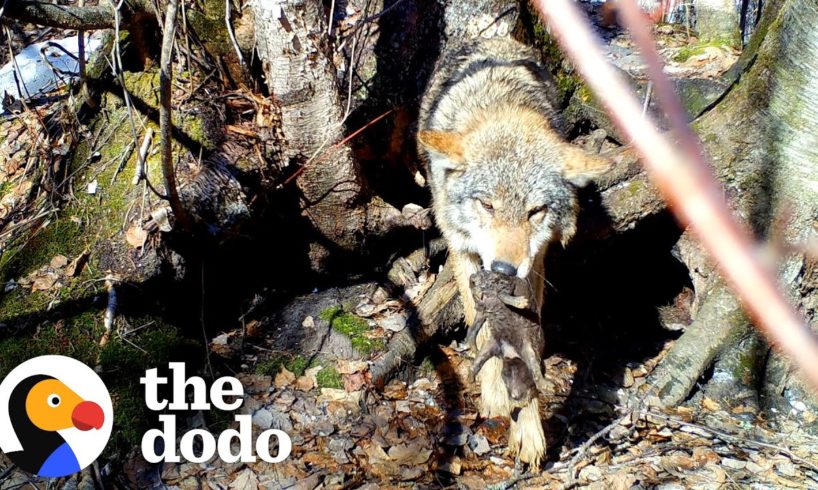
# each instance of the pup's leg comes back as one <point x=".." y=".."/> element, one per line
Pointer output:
<point x="526" y="437"/>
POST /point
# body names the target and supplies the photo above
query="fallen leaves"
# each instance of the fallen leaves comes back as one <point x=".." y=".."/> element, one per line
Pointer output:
<point x="136" y="236"/>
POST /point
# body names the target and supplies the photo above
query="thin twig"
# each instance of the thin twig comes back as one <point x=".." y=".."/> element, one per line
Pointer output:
<point x="139" y="172"/>
<point x="646" y="104"/>
<point x="583" y="449"/>
<point x="165" y="84"/>
<point x="729" y="437"/>
<point x="227" y="7"/>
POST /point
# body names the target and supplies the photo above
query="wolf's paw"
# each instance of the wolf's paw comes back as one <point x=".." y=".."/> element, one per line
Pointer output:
<point x="526" y="438"/>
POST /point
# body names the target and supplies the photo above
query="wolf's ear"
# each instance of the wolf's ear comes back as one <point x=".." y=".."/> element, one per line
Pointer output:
<point x="447" y="144"/>
<point x="580" y="167"/>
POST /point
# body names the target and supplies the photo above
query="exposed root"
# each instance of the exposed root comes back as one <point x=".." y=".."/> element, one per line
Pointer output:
<point x="718" y="318"/>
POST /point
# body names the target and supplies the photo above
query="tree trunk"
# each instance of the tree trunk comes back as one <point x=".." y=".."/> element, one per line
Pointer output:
<point x="763" y="140"/>
<point x="718" y="21"/>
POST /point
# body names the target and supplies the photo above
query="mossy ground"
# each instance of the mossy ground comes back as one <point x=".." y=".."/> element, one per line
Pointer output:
<point x="353" y="327"/>
<point x="696" y="49"/>
<point x="327" y="377"/>
<point x="68" y="319"/>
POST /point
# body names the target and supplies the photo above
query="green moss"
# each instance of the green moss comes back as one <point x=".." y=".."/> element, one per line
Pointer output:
<point x="634" y="188"/>
<point x="353" y="327"/>
<point x="329" y="378"/>
<point x="130" y="420"/>
<point x="208" y="24"/>
<point x="426" y="368"/>
<point x="123" y="363"/>
<point x="74" y="337"/>
<point x="296" y="365"/>
<point x="61" y="236"/>
<point x="696" y="49"/>
<point x="144" y="87"/>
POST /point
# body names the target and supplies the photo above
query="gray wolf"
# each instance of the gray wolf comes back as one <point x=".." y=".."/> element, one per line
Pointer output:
<point x="503" y="184"/>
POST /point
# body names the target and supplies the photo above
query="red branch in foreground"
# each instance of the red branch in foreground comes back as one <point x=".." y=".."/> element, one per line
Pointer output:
<point x="684" y="176"/>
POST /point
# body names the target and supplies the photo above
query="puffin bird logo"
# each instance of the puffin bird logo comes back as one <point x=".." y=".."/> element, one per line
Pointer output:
<point x="50" y="420"/>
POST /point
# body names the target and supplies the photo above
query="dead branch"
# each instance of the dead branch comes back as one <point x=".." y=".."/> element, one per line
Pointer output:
<point x="165" y="84"/>
<point x="80" y="18"/>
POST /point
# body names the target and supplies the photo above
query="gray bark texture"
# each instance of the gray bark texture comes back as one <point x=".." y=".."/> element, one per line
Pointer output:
<point x="763" y="141"/>
<point x="718" y="21"/>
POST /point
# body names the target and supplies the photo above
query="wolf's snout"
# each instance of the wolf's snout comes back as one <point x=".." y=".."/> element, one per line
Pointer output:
<point x="503" y="268"/>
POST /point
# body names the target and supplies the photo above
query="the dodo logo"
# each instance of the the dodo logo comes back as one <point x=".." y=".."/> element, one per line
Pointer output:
<point x="55" y="416"/>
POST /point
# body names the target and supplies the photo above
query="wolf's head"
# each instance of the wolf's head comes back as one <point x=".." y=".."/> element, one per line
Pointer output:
<point x="506" y="187"/>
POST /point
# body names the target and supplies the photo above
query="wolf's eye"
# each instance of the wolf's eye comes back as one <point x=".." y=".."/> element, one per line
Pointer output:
<point x="538" y="212"/>
<point x="486" y="205"/>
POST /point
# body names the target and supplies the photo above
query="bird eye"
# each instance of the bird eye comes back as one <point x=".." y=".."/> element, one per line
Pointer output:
<point x="54" y="401"/>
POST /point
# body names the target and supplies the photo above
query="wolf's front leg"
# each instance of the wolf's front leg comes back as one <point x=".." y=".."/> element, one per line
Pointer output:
<point x="526" y="437"/>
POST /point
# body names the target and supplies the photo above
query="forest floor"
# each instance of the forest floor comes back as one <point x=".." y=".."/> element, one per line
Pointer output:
<point x="422" y="429"/>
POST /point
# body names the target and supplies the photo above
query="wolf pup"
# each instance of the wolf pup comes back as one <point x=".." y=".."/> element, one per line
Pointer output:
<point x="503" y="185"/>
<point x="516" y="335"/>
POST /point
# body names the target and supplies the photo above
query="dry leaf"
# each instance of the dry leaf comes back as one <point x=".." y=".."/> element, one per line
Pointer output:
<point x="350" y="367"/>
<point x="247" y="480"/>
<point x="75" y="267"/>
<point x="375" y="453"/>
<point x="44" y="282"/>
<point x="58" y="261"/>
<point x="136" y="236"/>
<point x="304" y="383"/>
<point x="312" y="373"/>
<point x="354" y="382"/>
<point x="284" y="378"/>
<point x="410" y="454"/>
<point x="709" y="404"/>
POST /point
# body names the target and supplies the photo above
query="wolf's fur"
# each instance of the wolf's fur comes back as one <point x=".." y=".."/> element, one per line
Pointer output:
<point x="502" y="181"/>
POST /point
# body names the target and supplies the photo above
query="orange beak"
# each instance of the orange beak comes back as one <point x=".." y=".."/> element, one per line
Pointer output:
<point x="87" y="416"/>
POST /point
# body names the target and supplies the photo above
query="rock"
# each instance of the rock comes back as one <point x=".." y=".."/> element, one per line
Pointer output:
<point x="733" y="464"/>
<point x="263" y="419"/>
<point x="393" y="323"/>
<point x="479" y="444"/>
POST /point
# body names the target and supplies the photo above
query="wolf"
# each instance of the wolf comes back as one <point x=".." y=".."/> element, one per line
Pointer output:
<point x="503" y="182"/>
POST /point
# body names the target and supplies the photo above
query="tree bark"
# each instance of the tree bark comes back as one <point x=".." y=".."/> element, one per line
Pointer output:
<point x="718" y="21"/>
<point x="763" y="140"/>
<point x="81" y="18"/>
